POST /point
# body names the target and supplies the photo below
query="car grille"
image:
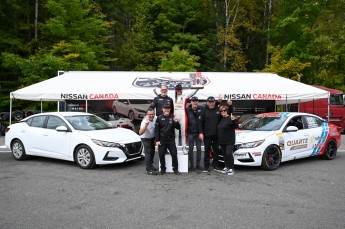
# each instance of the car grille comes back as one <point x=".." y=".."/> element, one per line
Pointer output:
<point x="133" y="148"/>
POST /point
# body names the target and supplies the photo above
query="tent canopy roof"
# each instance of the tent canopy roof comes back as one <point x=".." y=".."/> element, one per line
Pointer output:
<point x="100" y="85"/>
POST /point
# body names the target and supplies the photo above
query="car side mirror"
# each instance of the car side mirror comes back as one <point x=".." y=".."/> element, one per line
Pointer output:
<point x="291" y="129"/>
<point x="61" y="129"/>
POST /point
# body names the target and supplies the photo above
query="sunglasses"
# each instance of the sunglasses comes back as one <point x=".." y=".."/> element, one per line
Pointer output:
<point x="223" y="111"/>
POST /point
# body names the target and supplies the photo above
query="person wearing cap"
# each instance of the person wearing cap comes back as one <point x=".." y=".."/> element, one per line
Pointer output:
<point x="162" y="99"/>
<point x="147" y="135"/>
<point x="165" y="127"/>
<point x="208" y="122"/>
<point x="193" y="112"/>
<point x="179" y="112"/>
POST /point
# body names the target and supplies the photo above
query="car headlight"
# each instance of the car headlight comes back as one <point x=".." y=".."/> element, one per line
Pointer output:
<point x="108" y="144"/>
<point x="250" y="144"/>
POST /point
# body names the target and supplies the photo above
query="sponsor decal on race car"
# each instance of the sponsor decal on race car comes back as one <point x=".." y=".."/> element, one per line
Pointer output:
<point x="298" y="143"/>
<point x="321" y="140"/>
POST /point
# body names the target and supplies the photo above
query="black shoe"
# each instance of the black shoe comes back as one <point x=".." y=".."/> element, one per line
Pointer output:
<point x="191" y="168"/>
<point x="217" y="169"/>
<point x="206" y="170"/>
<point x="153" y="168"/>
<point x="198" y="167"/>
<point x="176" y="172"/>
<point x="151" y="172"/>
<point x="162" y="172"/>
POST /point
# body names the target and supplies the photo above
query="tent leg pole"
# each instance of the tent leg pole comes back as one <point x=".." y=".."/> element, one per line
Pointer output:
<point x="10" y="110"/>
<point x="41" y="106"/>
<point x="329" y="106"/>
<point x="58" y="107"/>
<point x="86" y="106"/>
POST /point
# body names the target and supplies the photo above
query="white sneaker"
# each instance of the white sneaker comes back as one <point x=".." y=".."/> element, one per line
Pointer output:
<point x="231" y="172"/>
<point x="225" y="170"/>
<point x="184" y="150"/>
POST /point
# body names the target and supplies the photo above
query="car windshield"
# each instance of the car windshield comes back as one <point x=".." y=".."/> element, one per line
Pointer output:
<point x="139" y="101"/>
<point x="88" y="122"/>
<point x="263" y="123"/>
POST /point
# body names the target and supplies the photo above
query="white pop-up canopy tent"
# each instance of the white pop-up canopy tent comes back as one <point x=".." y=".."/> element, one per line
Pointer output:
<point x="111" y="85"/>
<point x="100" y="85"/>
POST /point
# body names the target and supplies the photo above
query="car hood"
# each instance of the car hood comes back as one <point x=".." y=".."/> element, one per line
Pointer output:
<point x="118" y="135"/>
<point x="243" y="136"/>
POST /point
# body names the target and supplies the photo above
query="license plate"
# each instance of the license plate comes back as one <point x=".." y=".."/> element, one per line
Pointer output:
<point x="241" y="155"/>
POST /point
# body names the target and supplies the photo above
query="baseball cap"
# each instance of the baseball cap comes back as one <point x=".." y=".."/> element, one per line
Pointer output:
<point x="211" y="99"/>
<point x="166" y="105"/>
<point x="194" y="98"/>
<point x="178" y="87"/>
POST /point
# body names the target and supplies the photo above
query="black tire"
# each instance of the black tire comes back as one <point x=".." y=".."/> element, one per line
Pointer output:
<point x="5" y="116"/>
<point x="271" y="158"/>
<point x="330" y="150"/>
<point x="131" y="115"/>
<point x="84" y="157"/>
<point x="18" y="150"/>
<point x="18" y="115"/>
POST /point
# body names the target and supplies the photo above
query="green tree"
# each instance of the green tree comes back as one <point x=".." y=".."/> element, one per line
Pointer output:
<point x="312" y="32"/>
<point x="290" y="68"/>
<point x="73" y="38"/>
<point x="179" y="61"/>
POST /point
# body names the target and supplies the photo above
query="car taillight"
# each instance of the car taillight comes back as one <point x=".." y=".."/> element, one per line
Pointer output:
<point x="7" y="129"/>
<point x="126" y="126"/>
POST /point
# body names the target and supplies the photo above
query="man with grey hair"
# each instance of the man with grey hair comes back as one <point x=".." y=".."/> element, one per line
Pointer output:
<point x="161" y="100"/>
<point x="147" y="135"/>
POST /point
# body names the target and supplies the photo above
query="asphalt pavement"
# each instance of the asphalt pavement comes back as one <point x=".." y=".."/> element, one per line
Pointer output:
<point x="47" y="193"/>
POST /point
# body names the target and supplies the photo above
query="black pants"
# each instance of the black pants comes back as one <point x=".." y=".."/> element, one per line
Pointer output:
<point x="228" y="153"/>
<point x="149" y="150"/>
<point x="171" y="146"/>
<point x="191" y="139"/>
<point x="211" y="141"/>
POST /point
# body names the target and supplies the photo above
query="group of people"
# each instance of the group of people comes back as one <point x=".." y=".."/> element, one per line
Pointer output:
<point x="214" y="124"/>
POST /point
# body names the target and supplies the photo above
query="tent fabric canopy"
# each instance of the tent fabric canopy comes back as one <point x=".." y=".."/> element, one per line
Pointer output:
<point x="105" y="85"/>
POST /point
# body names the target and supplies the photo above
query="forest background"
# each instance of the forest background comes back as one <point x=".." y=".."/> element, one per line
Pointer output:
<point x="298" y="39"/>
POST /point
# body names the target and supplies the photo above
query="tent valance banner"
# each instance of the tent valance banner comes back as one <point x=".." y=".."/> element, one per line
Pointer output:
<point x="112" y="85"/>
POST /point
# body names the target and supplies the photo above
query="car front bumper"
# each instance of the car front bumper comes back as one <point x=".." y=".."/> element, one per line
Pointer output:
<point x="114" y="155"/>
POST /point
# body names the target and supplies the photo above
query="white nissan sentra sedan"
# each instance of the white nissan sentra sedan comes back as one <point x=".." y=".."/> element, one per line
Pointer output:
<point x="80" y="137"/>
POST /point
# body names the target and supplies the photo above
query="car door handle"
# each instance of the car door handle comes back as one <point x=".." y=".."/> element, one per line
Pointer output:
<point x="45" y="134"/>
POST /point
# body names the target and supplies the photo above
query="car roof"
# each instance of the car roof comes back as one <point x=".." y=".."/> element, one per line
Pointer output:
<point x="64" y="114"/>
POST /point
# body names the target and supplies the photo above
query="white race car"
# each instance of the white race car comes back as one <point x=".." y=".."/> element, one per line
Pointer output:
<point x="80" y="137"/>
<point x="268" y="139"/>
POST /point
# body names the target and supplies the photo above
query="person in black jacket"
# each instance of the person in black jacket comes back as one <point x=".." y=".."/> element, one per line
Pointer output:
<point x="193" y="112"/>
<point x="226" y="138"/>
<point x="162" y="99"/>
<point x="208" y="122"/>
<point x="165" y="137"/>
